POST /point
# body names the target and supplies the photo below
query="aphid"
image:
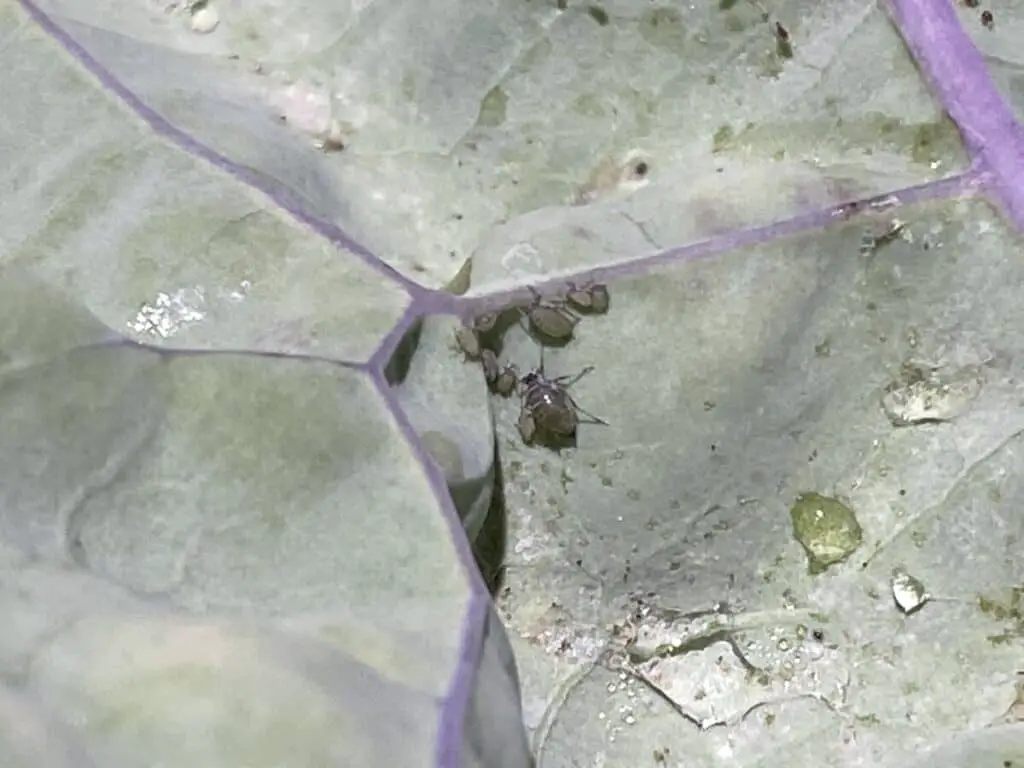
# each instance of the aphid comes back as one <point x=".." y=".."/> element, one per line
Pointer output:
<point x="489" y="362"/>
<point x="331" y="139"/>
<point x="872" y="242"/>
<point x="469" y="334"/>
<point x="783" y="42"/>
<point x="501" y="379"/>
<point x="469" y="342"/>
<point x="613" y="174"/>
<point x="506" y="382"/>
<point x="846" y="210"/>
<point x="987" y="19"/>
<point x="590" y="297"/>
<point x="485" y="323"/>
<point x="549" y="411"/>
<point x="551" y="319"/>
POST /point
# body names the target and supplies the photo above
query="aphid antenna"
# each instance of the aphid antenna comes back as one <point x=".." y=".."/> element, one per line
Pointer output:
<point x="526" y="328"/>
<point x="541" y="359"/>
<point x="567" y="381"/>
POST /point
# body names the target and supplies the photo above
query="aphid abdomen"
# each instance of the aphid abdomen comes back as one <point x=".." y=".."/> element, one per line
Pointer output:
<point x="553" y="322"/>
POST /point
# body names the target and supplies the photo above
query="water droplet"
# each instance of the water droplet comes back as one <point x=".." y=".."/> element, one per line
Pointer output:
<point x="204" y="20"/>
<point x="908" y="592"/>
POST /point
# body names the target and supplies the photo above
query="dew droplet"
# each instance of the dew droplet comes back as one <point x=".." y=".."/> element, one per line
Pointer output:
<point x="204" y="20"/>
<point x="908" y="592"/>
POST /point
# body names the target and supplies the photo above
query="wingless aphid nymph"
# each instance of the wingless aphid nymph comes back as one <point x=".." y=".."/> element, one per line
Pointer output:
<point x="589" y="297"/>
<point x="551" y="318"/>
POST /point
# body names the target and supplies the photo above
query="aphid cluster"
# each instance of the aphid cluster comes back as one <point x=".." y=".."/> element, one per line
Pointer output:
<point x="549" y="414"/>
<point x="553" y="320"/>
<point x="987" y="19"/>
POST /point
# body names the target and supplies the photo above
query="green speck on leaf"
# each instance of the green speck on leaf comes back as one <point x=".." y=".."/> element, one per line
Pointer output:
<point x="733" y="23"/>
<point x="721" y="138"/>
<point x="771" y="65"/>
<point x="1010" y="612"/>
<point x="598" y="14"/>
<point x="887" y="125"/>
<point x="926" y="137"/>
<point x="588" y="104"/>
<point x="663" y="26"/>
<point x="492" y="108"/>
<point x="826" y="528"/>
<point x="991" y="607"/>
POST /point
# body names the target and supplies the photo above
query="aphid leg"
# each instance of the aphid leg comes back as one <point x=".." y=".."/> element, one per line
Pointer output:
<point x="590" y="417"/>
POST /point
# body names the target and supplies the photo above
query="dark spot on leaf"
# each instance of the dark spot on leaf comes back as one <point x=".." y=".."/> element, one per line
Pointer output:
<point x="598" y="14"/>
